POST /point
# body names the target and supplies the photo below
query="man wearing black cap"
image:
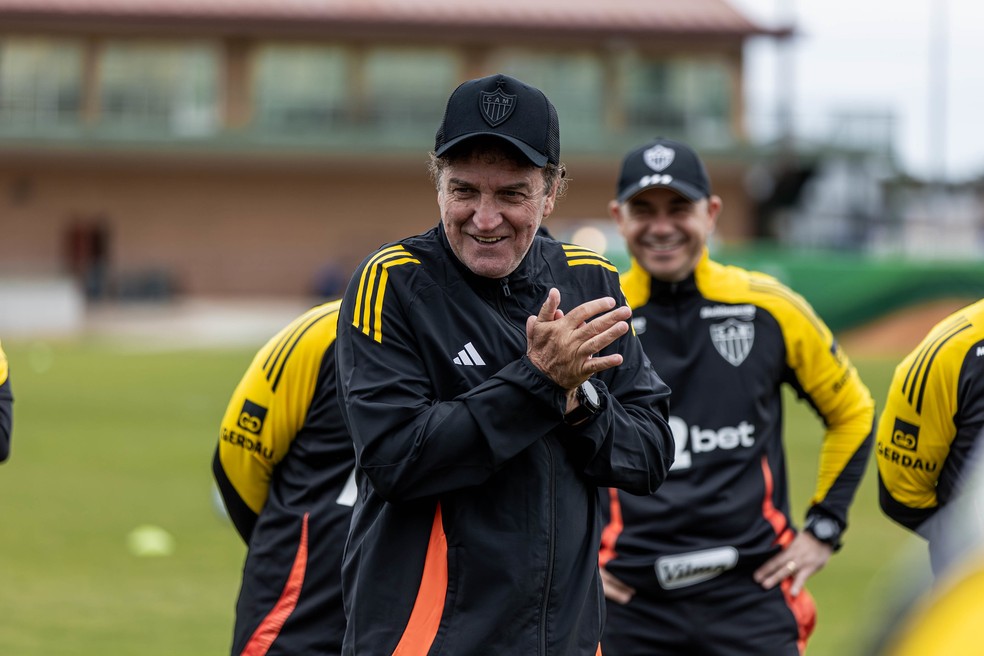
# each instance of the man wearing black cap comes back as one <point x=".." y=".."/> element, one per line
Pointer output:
<point x="711" y="564"/>
<point x="491" y="385"/>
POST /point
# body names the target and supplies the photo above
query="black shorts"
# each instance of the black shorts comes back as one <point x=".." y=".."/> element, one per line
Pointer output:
<point x="737" y="618"/>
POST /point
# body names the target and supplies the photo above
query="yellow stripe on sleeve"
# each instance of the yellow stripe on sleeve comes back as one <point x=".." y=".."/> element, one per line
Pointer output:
<point x="368" y="315"/>
<point x="578" y="256"/>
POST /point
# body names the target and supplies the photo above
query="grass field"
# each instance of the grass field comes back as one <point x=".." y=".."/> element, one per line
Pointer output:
<point x="109" y="437"/>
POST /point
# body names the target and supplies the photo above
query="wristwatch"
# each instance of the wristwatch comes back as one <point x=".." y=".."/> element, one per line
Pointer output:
<point x="589" y="403"/>
<point x="826" y="529"/>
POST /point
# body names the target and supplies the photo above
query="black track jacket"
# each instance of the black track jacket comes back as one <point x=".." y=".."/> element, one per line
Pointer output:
<point x="477" y="524"/>
<point x="726" y="340"/>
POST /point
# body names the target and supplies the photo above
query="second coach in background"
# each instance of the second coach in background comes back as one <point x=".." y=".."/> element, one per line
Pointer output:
<point x="490" y="384"/>
<point x="284" y="466"/>
<point x="712" y="563"/>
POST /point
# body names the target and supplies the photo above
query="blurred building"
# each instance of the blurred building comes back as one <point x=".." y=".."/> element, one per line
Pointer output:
<point x="934" y="220"/>
<point x="861" y="203"/>
<point x="263" y="147"/>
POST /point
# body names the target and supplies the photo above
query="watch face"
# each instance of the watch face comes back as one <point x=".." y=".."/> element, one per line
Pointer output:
<point x="590" y="394"/>
<point x="824" y="528"/>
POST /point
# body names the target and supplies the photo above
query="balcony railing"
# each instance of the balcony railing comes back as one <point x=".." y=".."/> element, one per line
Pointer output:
<point x="322" y="132"/>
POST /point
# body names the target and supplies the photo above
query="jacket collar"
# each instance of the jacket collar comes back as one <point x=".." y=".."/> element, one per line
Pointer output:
<point x="642" y="288"/>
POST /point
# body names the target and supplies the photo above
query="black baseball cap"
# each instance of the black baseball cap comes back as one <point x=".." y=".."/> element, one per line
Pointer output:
<point x="502" y="106"/>
<point x="663" y="163"/>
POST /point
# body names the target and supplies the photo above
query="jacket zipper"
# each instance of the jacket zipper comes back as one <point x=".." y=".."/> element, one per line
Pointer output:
<point x="677" y="316"/>
<point x="551" y="547"/>
<point x="551" y="541"/>
<point x="501" y="306"/>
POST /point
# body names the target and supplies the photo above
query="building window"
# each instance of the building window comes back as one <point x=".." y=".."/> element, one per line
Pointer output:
<point x="408" y="88"/>
<point x="689" y="98"/>
<point x="300" y="88"/>
<point x="40" y="83"/>
<point x="160" y="87"/>
<point x="573" y="83"/>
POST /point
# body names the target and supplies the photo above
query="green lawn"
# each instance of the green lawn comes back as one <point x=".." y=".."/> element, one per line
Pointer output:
<point x="108" y="438"/>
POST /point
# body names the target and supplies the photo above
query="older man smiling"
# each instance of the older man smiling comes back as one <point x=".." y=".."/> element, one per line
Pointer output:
<point x="491" y="384"/>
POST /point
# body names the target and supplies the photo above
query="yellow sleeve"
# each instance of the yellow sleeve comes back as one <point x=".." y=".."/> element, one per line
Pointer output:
<point x="3" y="366"/>
<point x="917" y="426"/>
<point x="270" y="404"/>
<point x="827" y="376"/>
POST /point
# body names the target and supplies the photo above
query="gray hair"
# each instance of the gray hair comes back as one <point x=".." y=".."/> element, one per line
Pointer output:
<point x="493" y="149"/>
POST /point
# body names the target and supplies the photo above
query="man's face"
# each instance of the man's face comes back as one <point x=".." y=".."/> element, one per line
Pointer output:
<point x="491" y="208"/>
<point x="666" y="232"/>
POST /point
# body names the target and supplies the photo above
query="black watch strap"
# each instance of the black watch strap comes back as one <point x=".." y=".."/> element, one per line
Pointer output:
<point x="588" y="404"/>
<point x="824" y="528"/>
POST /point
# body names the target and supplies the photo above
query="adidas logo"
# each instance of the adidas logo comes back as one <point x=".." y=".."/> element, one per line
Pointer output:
<point x="469" y="357"/>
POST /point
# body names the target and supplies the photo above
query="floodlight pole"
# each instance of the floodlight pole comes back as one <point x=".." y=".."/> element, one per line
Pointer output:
<point x="785" y="80"/>
<point x="938" y="89"/>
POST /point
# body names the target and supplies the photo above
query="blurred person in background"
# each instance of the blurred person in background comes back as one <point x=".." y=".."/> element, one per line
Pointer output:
<point x="491" y="384"/>
<point x="932" y="422"/>
<point x="942" y="616"/>
<point x="284" y="465"/>
<point x="712" y="563"/>
<point x="946" y="619"/>
<point x="6" y="407"/>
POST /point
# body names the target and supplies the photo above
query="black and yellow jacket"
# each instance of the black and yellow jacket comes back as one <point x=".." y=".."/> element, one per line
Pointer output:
<point x="6" y="407"/>
<point x="477" y="524"/>
<point x="284" y="466"/>
<point x="933" y="418"/>
<point x="725" y="340"/>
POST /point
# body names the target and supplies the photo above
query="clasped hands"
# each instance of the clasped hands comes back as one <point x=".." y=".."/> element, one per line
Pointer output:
<point x="564" y="347"/>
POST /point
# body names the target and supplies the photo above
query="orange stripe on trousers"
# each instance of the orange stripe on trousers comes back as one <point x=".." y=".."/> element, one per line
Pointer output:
<point x="425" y="618"/>
<point x="772" y="515"/>
<point x="804" y="609"/>
<point x="612" y="530"/>
<point x="268" y="630"/>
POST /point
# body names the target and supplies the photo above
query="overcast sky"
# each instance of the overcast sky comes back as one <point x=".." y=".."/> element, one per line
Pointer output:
<point x="880" y="57"/>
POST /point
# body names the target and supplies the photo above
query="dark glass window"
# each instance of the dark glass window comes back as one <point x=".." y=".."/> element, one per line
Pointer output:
<point x="301" y="88"/>
<point x="40" y="83"/>
<point x="167" y="87"/>
<point x="408" y="88"/>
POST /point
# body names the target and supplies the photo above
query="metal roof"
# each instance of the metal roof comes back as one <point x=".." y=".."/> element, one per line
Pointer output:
<point x="671" y="17"/>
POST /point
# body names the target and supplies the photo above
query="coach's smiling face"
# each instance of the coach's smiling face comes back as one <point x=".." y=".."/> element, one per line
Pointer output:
<point x="491" y="207"/>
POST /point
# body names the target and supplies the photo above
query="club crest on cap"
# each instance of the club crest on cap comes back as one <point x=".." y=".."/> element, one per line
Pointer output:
<point x="658" y="157"/>
<point x="496" y="106"/>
